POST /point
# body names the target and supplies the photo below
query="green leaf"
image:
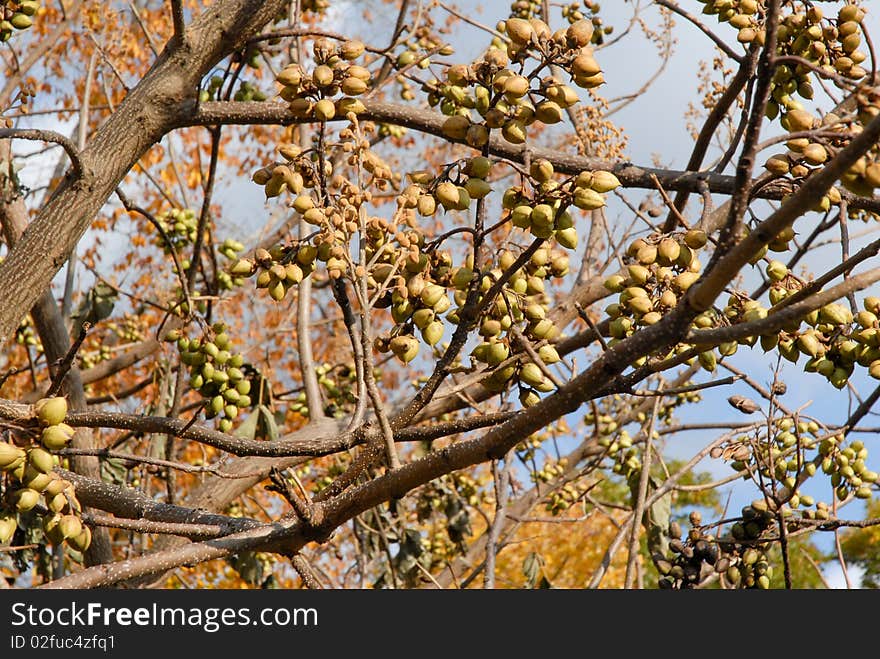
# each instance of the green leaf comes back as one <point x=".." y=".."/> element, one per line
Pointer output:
<point x="96" y="305"/>
<point x="533" y="566"/>
<point x="268" y="426"/>
<point x="113" y="471"/>
<point x="248" y="427"/>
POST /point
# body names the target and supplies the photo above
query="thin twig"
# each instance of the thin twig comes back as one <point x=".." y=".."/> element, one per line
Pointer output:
<point x="639" y="509"/>
<point x="67" y="361"/>
<point x="40" y="135"/>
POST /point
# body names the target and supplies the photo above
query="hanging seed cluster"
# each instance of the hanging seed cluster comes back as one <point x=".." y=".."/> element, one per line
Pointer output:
<point x="831" y="47"/>
<point x="337" y="390"/>
<point x="807" y="153"/>
<point x="30" y="481"/>
<point x="740" y="559"/>
<point x="795" y="452"/>
<point x="16" y="15"/>
<point x="25" y="335"/>
<point x="522" y="304"/>
<point x="494" y="93"/>
<point x="180" y="226"/>
<point x="543" y="212"/>
<point x="215" y="372"/>
<point x="310" y="94"/>
<point x="659" y="269"/>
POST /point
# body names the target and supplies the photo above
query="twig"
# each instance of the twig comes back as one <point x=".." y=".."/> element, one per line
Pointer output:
<point x="589" y="321"/>
<point x="683" y="390"/>
<point x="639" y="509"/>
<point x="67" y="361"/>
<point x="816" y="567"/>
<point x="304" y="509"/>
<point x="177" y="19"/>
<point x="158" y="462"/>
<point x="40" y="135"/>
<point x="305" y="572"/>
<point x="502" y="479"/>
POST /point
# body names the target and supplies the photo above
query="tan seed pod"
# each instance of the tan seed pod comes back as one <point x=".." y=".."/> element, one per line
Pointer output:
<point x="456" y="127"/>
<point x="668" y="251"/>
<point x="519" y="30"/>
<point x="580" y="33"/>
<point x="647" y="255"/>
<point x="51" y="411"/>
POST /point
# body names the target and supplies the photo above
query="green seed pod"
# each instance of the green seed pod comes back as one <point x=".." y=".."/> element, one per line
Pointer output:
<point x="405" y="347"/>
<point x="776" y="271"/>
<point x="447" y="194"/>
<point x="567" y="238"/>
<point x="23" y="21"/>
<point x="10" y="456"/>
<point x="514" y="131"/>
<point x="56" y="437"/>
<point x="8" y="525"/>
<point x="531" y="374"/>
<point x="668" y="251"/>
<point x="433" y="333"/>
<point x="588" y="199"/>
<point x="51" y="411"/>
<point x="69" y="526"/>
<point x="82" y="540"/>
<point x="603" y="181"/>
<point x="25" y="499"/>
<point x="496" y="353"/>
<point x="708" y="360"/>
<point x="41" y="460"/>
<point x="548" y="354"/>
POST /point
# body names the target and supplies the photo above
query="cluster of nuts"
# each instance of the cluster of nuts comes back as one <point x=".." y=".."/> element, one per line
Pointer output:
<point x="215" y="372"/>
<point x="659" y="269"/>
<point x="180" y="226"/>
<point x="278" y="269"/>
<point x="31" y="479"/>
<point x="310" y="94"/>
<point x="847" y="468"/>
<point x="544" y="213"/>
<point x="795" y="452"/>
<point x="25" y="335"/>
<point x="502" y="97"/>
<point x="806" y="153"/>
<point x="16" y="15"/>
<point x="740" y="559"/>
<point x="522" y="306"/>
<point x="337" y="389"/>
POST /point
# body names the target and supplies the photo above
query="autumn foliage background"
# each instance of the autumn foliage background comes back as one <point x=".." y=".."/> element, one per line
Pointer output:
<point x="427" y="322"/>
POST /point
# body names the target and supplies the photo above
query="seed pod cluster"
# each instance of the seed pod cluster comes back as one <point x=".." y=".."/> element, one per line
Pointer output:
<point x="180" y="226"/>
<point x="26" y="336"/>
<point x="574" y="14"/>
<point x="522" y="303"/>
<point x="846" y="466"/>
<point x="739" y="558"/>
<point x="493" y="92"/>
<point x="863" y="178"/>
<point x="834" y="341"/>
<point x="460" y="184"/>
<point x="411" y="281"/>
<point x="337" y="390"/>
<point x="310" y="94"/>
<point x="215" y="372"/>
<point x="544" y="211"/>
<point x="794" y="452"/>
<point x="659" y="270"/>
<point x="16" y="15"/>
<point x="31" y="480"/>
